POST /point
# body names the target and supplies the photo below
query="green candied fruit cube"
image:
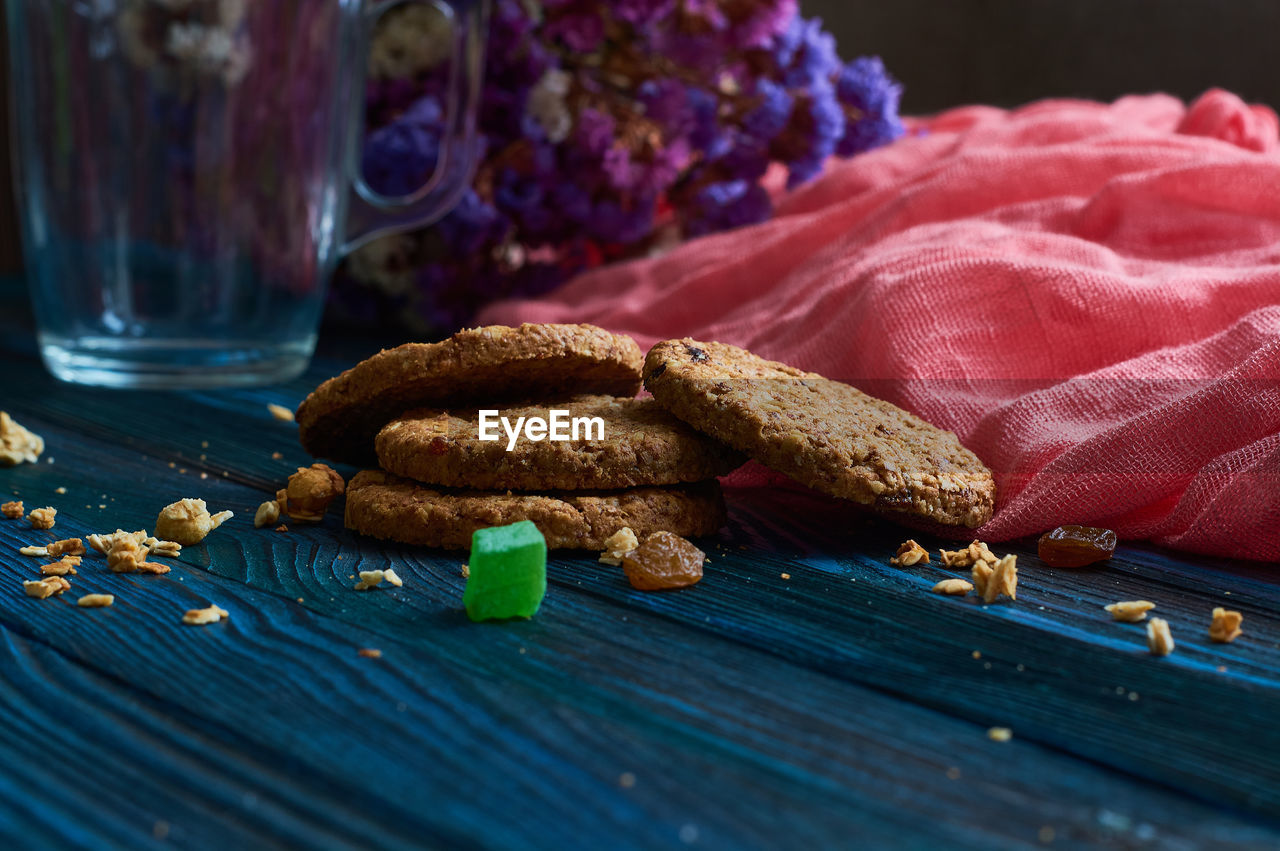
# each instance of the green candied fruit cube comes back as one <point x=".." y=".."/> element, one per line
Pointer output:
<point x="508" y="572"/>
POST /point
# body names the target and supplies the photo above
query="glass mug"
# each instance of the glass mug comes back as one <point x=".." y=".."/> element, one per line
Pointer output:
<point x="188" y="176"/>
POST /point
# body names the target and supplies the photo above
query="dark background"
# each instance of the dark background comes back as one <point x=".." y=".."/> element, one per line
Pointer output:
<point x="1008" y="52"/>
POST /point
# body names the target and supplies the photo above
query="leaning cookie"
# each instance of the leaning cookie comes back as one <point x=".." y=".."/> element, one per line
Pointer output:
<point x="823" y="433"/>
<point x="492" y="364"/>
<point x="613" y="443"/>
<point x="392" y="508"/>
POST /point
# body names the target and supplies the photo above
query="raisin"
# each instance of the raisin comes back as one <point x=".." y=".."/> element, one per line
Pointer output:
<point x="696" y="354"/>
<point x="1076" y="546"/>
<point x="662" y="367"/>
<point x="663" y="561"/>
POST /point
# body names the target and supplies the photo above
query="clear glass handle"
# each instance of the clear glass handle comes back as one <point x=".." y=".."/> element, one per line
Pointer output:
<point x="371" y="214"/>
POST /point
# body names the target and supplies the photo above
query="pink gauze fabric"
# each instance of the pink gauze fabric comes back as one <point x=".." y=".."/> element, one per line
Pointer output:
<point x="1087" y="294"/>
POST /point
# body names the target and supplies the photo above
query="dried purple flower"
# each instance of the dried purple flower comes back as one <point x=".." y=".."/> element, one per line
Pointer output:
<point x="401" y="156"/>
<point x="866" y="87"/>
<point x="605" y="125"/>
<point x="733" y="203"/>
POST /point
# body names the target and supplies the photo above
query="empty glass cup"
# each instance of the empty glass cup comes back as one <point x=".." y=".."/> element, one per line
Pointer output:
<point x="187" y="174"/>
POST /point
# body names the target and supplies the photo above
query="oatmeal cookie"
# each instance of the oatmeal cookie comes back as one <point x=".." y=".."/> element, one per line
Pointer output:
<point x="823" y="433"/>
<point x="393" y="508"/>
<point x="642" y="445"/>
<point x="485" y="365"/>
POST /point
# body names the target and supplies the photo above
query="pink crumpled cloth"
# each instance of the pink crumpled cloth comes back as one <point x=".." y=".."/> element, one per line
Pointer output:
<point x="1087" y="294"/>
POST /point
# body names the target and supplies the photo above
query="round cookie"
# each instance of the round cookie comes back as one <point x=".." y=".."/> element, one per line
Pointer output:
<point x="642" y="444"/>
<point x="392" y="508"/>
<point x="340" y="418"/>
<point x="823" y="433"/>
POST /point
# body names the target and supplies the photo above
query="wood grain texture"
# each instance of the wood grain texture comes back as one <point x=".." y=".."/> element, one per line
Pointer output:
<point x="622" y="698"/>
<point x="127" y="769"/>
<point x="842" y="703"/>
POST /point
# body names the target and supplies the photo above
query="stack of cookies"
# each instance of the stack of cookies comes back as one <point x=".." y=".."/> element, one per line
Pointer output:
<point x="415" y="410"/>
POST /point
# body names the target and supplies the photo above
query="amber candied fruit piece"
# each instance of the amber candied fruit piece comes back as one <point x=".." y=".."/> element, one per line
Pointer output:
<point x="663" y="561"/>
<point x="1076" y="546"/>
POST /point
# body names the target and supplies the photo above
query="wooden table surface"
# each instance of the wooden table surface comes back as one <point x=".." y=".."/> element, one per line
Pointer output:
<point x="805" y="694"/>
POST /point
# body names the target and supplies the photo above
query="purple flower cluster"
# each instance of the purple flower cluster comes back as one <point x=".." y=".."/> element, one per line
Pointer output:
<point x="606" y="129"/>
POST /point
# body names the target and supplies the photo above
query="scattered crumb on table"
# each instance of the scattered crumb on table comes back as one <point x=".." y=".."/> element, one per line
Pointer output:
<point x="280" y="412"/>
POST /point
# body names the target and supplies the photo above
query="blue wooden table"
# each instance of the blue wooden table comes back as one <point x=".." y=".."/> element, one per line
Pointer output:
<point x="805" y="695"/>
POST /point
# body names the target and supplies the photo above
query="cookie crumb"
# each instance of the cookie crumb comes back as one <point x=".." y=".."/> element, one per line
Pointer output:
<point x="618" y="545"/>
<point x="1130" y="611"/>
<point x="276" y="456"/>
<point x="60" y="568"/>
<point x="980" y="573"/>
<point x="104" y="543"/>
<point x="974" y="554"/>
<point x="67" y="547"/>
<point x="784" y="575"/>
<point x="267" y="514"/>
<point x="466" y="571"/>
<point x="96" y="601"/>
<point x="1225" y="627"/>
<point x="47" y="587"/>
<point x="309" y="493"/>
<point x="166" y="549"/>
<point x="1159" y="639"/>
<point x="909" y="553"/>
<point x="370" y="653"/>
<point x="992" y="582"/>
<point x="42" y="518"/>
<point x="999" y="734"/>
<point x="60" y="491"/>
<point x="13" y="509"/>
<point x="280" y="412"/>
<point x="200" y="617"/>
<point x="282" y="528"/>
<point x="39" y="552"/>
<point x="17" y="444"/>
<point x="188" y="521"/>
<point x="126" y="554"/>
<point x="370" y="579"/>
<point x="626" y="780"/>
<point x="953" y="587"/>
<point x="393" y="578"/>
